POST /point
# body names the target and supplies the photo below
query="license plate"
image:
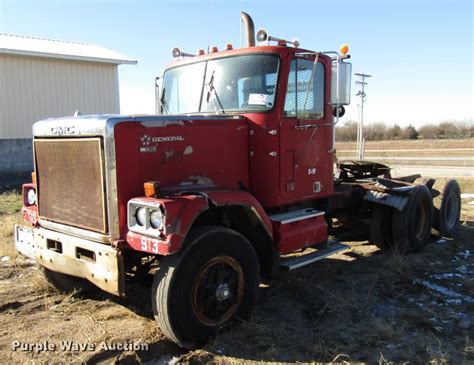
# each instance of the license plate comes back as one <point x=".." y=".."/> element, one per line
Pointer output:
<point x="24" y="241"/>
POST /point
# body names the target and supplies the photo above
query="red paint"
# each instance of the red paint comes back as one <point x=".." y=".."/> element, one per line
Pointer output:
<point x="152" y="245"/>
<point x="263" y="153"/>
<point x="181" y="212"/>
<point x="212" y="151"/>
<point x="29" y="212"/>
<point x="293" y="236"/>
<point x="256" y="160"/>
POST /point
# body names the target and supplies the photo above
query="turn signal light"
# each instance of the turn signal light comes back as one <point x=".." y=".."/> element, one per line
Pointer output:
<point x="152" y="189"/>
<point x="33" y="177"/>
<point x="344" y="49"/>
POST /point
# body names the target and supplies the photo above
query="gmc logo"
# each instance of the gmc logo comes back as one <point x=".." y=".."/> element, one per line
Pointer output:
<point x="62" y="130"/>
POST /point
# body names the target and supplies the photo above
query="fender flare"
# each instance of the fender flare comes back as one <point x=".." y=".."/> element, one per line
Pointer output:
<point x="181" y="211"/>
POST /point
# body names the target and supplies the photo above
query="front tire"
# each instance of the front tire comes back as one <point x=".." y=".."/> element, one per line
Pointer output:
<point x="212" y="283"/>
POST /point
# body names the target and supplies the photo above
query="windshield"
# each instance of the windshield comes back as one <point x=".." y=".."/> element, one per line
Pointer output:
<point x="233" y="84"/>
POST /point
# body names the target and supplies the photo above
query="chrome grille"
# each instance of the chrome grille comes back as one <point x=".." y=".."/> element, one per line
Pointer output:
<point x="70" y="178"/>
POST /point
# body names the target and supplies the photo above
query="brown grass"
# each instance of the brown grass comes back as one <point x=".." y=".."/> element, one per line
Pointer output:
<point x="466" y="184"/>
<point x="411" y="144"/>
<point x="7" y="224"/>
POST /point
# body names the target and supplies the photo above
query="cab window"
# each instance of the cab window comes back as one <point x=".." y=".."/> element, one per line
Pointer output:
<point x="305" y="93"/>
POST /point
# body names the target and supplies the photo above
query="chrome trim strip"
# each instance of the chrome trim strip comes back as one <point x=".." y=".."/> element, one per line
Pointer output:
<point x="74" y="231"/>
<point x="295" y="216"/>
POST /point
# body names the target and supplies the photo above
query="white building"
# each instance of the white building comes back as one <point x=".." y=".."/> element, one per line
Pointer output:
<point x="42" y="78"/>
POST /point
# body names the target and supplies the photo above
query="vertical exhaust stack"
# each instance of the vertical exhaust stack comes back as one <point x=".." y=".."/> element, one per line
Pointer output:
<point x="249" y="28"/>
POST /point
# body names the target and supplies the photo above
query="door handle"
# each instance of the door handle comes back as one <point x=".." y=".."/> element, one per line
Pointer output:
<point x="305" y="126"/>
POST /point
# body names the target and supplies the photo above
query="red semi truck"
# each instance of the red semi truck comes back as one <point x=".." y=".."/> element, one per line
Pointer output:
<point x="201" y="201"/>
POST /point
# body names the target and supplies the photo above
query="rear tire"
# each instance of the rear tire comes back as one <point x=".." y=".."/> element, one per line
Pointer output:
<point x="412" y="226"/>
<point x="447" y="207"/>
<point x="381" y="227"/>
<point x="66" y="283"/>
<point x="209" y="285"/>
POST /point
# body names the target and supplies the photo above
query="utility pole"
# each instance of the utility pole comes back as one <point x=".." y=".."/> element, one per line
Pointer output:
<point x="360" y="127"/>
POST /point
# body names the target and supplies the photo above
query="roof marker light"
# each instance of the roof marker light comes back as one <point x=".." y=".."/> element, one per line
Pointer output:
<point x="344" y="49"/>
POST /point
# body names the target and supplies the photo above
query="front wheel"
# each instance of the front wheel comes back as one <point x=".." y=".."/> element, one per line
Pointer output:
<point x="213" y="282"/>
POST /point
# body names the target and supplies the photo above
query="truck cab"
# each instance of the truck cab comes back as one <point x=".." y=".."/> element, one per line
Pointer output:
<point x="200" y="201"/>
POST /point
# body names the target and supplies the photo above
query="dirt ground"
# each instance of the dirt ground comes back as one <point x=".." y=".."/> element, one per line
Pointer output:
<point x="358" y="306"/>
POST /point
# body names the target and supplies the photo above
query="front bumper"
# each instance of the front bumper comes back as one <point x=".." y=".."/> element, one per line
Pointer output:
<point x="101" y="264"/>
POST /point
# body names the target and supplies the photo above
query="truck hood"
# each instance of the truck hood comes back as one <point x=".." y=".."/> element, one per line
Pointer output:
<point x="103" y="124"/>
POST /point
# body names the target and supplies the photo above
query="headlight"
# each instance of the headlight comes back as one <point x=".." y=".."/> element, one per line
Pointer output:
<point x="140" y="215"/>
<point x="31" y="197"/>
<point x="156" y="219"/>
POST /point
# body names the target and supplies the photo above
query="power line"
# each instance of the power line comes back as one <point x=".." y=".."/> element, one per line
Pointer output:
<point x="360" y="127"/>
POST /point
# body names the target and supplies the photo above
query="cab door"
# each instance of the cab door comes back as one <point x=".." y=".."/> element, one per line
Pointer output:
<point x="306" y="162"/>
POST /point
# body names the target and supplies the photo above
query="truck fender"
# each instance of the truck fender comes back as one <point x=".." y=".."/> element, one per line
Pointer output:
<point x="181" y="211"/>
<point x="245" y="199"/>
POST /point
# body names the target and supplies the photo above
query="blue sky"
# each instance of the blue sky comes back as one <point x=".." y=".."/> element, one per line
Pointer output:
<point x="419" y="52"/>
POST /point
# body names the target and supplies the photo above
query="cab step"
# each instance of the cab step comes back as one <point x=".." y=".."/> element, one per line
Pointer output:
<point x="297" y="262"/>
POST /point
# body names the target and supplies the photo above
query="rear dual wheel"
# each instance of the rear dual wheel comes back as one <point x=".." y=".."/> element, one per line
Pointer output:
<point x="411" y="227"/>
<point x="447" y="207"/>
<point x="403" y="231"/>
<point x="381" y="227"/>
<point x="211" y="284"/>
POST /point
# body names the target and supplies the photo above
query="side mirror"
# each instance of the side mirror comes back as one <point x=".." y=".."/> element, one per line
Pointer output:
<point x="338" y="111"/>
<point x="341" y="84"/>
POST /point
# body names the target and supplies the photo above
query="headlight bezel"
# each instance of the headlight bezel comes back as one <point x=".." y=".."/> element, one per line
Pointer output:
<point x="155" y="229"/>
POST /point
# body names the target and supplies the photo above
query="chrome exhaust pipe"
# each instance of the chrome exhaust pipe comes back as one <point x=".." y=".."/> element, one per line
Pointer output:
<point x="249" y="28"/>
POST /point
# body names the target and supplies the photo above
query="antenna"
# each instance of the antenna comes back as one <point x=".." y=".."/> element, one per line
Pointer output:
<point x="360" y="129"/>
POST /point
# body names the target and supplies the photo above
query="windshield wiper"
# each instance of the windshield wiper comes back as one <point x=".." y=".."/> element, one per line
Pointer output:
<point x="211" y="90"/>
